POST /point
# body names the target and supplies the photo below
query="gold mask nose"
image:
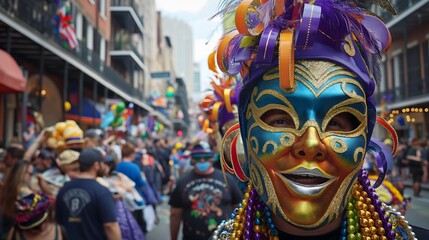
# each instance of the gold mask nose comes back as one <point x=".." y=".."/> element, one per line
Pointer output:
<point x="309" y="146"/>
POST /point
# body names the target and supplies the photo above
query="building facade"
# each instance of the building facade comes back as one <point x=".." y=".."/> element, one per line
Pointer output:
<point x="107" y="62"/>
<point x="403" y="94"/>
<point x="180" y="35"/>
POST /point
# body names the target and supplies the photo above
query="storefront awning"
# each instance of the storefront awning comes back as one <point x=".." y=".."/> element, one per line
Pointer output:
<point x="11" y="78"/>
<point x="90" y="114"/>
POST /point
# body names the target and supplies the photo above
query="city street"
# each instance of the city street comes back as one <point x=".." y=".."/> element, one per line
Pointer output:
<point x="106" y="104"/>
<point x="417" y="214"/>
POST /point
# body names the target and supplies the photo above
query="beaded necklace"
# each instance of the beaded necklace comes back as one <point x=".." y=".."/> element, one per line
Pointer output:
<point x="364" y="218"/>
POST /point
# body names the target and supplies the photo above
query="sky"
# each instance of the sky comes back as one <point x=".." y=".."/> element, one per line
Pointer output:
<point x="205" y="32"/>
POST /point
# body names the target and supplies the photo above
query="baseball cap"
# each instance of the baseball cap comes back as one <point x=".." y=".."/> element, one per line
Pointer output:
<point x="202" y="150"/>
<point x="45" y="154"/>
<point x="67" y="157"/>
<point x="94" y="133"/>
<point x="187" y="153"/>
<point x="90" y="155"/>
<point x="109" y="158"/>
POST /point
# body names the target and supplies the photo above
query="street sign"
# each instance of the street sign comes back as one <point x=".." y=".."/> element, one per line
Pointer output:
<point x="160" y="75"/>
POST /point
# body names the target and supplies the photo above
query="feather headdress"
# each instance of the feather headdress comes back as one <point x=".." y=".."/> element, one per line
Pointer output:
<point x="267" y="32"/>
<point x="219" y="106"/>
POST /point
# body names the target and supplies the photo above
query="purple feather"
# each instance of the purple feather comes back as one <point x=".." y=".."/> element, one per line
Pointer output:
<point x="231" y="51"/>
<point x="266" y="11"/>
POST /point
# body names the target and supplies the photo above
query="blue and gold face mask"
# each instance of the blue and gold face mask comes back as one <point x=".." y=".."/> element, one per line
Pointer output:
<point x="306" y="145"/>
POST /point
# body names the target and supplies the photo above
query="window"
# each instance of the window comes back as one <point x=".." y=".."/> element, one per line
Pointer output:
<point x="398" y="75"/>
<point x="103" y="8"/>
<point x="415" y="84"/>
<point x="89" y="40"/>
<point x="92" y="2"/>
<point x="383" y="82"/>
<point x="79" y="26"/>
<point x="90" y="37"/>
<point x="426" y="63"/>
<point x="102" y="49"/>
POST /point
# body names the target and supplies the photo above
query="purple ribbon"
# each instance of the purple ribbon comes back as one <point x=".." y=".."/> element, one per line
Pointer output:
<point x="267" y="44"/>
<point x="307" y="31"/>
<point x="309" y="26"/>
<point x="376" y="149"/>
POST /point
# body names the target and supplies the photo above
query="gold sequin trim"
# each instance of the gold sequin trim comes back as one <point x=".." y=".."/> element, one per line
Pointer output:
<point x="359" y="151"/>
<point x="287" y="139"/>
<point x="348" y="47"/>
<point x="268" y="143"/>
<point x="338" y="145"/>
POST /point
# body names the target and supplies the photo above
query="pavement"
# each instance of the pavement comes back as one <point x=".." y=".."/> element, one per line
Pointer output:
<point x="409" y="184"/>
<point x="417" y="212"/>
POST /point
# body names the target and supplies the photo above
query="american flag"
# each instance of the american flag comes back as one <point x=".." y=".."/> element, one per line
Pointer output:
<point x="65" y="26"/>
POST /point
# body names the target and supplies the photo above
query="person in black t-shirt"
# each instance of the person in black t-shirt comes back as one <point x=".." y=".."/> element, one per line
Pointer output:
<point x="85" y="208"/>
<point x="202" y="198"/>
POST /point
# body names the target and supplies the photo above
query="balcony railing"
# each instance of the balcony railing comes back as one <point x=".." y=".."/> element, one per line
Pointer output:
<point x="123" y="42"/>
<point x="39" y="17"/>
<point x="400" y="6"/>
<point x="128" y="3"/>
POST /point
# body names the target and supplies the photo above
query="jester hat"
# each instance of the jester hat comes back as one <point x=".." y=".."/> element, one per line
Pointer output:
<point x="220" y="105"/>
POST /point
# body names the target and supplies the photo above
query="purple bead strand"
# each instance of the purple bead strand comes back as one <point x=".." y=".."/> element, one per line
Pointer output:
<point x="363" y="180"/>
<point x="248" y="232"/>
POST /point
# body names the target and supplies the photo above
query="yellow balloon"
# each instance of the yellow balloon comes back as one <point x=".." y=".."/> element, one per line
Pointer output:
<point x="113" y="107"/>
<point x="67" y="106"/>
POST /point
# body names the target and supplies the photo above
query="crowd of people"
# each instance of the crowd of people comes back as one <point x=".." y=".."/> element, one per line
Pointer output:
<point x="298" y="140"/>
<point x="95" y="185"/>
<point x="411" y="161"/>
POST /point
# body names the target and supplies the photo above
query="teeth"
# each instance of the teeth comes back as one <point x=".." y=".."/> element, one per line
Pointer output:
<point x="306" y="184"/>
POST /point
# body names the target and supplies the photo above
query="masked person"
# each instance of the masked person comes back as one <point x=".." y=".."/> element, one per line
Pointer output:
<point x="202" y="198"/>
<point x="306" y="116"/>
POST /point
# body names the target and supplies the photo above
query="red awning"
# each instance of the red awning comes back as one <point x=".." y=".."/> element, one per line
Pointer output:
<point x="11" y="78"/>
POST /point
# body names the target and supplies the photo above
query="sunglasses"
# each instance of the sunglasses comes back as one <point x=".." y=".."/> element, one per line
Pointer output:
<point x="205" y="156"/>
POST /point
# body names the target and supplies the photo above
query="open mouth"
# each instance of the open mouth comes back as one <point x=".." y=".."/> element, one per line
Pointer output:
<point x="307" y="182"/>
<point x="306" y="179"/>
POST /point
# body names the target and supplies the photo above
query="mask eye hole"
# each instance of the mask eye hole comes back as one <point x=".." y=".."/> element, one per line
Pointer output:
<point x="278" y="118"/>
<point x="343" y="122"/>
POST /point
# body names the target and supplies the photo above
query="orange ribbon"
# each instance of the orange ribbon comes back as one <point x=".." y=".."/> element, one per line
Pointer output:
<point x="215" y="111"/>
<point x="287" y="59"/>
<point x="221" y="49"/>
<point x="206" y="125"/>
<point x="280" y="4"/>
<point x="211" y="62"/>
<point x="241" y="15"/>
<point x="227" y="98"/>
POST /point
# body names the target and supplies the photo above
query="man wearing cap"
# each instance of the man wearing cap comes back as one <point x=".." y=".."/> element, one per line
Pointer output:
<point x="92" y="138"/>
<point x="84" y="207"/>
<point x="51" y="180"/>
<point x="202" y="197"/>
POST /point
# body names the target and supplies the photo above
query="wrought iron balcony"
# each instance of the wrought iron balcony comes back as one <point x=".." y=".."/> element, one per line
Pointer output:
<point x="401" y="7"/>
<point x="126" y="13"/>
<point x="124" y="50"/>
<point x="38" y="18"/>
<point x="411" y="14"/>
